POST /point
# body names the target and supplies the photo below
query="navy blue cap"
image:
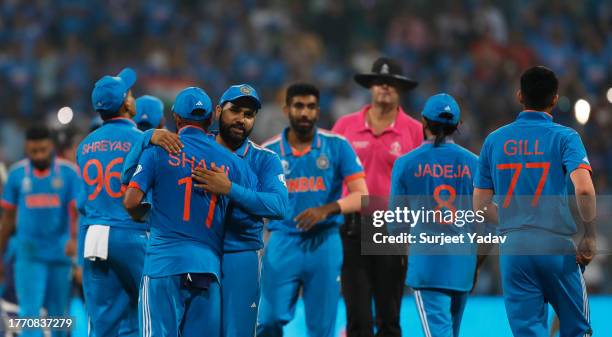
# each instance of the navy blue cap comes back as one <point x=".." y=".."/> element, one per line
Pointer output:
<point x="240" y="90"/>
<point x="442" y="108"/>
<point x="109" y="92"/>
<point x="149" y="109"/>
<point x="191" y="99"/>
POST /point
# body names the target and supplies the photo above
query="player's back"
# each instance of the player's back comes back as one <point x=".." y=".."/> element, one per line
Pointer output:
<point x="529" y="161"/>
<point x="100" y="157"/>
<point x="438" y="178"/>
<point x="185" y="221"/>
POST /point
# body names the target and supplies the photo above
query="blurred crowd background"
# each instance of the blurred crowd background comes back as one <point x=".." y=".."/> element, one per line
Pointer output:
<point x="52" y="52"/>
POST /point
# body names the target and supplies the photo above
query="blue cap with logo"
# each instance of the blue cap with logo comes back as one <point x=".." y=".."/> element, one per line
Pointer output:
<point x="109" y="92"/>
<point x="149" y="109"/>
<point x="190" y="101"/>
<point x="442" y="108"/>
<point x="240" y="90"/>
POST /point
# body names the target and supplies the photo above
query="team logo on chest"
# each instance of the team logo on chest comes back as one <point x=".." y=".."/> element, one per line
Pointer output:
<point x="26" y="184"/>
<point x="323" y="162"/>
<point x="285" y="165"/>
<point x="57" y="183"/>
<point x="395" y="148"/>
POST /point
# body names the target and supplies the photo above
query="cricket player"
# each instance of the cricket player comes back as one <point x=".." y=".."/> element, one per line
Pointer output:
<point x="438" y="175"/>
<point x="39" y="205"/>
<point x="110" y="280"/>
<point x="236" y="112"/>
<point x="149" y="113"/>
<point x="522" y="178"/>
<point x="304" y="249"/>
<point x="180" y="292"/>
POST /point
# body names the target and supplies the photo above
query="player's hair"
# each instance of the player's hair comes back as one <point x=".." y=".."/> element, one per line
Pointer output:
<point x="300" y="89"/>
<point x="38" y="132"/>
<point x="144" y="126"/>
<point x="440" y="130"/>
<point x="538" y="87"/>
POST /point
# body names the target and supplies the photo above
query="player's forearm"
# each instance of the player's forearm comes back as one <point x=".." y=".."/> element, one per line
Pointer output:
<point x="7" y="229"/>
<point x="133" y="157"/>
<point x="352" y="201"/>
<point x="271" y="205"/>
<point x="483" y="202"/>
<point x="585" y="198"/>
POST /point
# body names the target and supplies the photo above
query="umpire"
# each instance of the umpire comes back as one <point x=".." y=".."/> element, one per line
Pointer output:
<point x="380" y="132"/>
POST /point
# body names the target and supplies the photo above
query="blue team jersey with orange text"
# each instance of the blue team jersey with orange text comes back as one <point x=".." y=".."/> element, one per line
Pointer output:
<point x="100" y="157"/>
<point x="43" y="205"/>
<point x="187" y="224"/>
<point x="527" y="164"/>
<point x="430" y="178"/>
<point x="315" y="177"/>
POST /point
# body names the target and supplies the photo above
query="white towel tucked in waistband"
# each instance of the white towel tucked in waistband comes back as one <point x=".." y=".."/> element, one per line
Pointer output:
<point x="96" y="242"/>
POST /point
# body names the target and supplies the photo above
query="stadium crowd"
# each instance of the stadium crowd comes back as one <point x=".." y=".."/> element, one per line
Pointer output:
<point x="52" y="51"/>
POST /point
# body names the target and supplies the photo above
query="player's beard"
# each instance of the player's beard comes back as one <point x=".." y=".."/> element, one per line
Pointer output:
<point x="41" y="165"/>
<point x="228" y="135"/>
<point x="302" y="126"/>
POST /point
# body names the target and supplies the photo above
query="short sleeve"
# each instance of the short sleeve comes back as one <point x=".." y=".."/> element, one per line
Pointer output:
<point x="349" y="164"/>
<point x="574" y="154"/>
<point x="10" y="192"/>
<point x="483" y="179"/>
<point x="144" y="175"/>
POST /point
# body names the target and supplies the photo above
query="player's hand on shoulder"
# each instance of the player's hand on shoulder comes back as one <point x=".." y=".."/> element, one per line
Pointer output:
<point x="213" y="180"/>
<point x="169" y="141"/>
<point x="586" y="249"/>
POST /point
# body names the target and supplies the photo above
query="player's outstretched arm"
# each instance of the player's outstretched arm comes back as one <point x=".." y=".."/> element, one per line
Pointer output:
<point x="169" y="141"/>
<point x="269" y="202"/>
<point x="586" y="203"/>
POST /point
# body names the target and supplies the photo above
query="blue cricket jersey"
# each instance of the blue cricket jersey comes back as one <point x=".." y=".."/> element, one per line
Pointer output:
<point x="444" y="173"/>
<point x="527" y="164"/>
<point x="100" y="157"/>
<point x="250" y="204"/>
<point x="187" y="224"/>
<point x="265" y="198"/>
<point x="315" y="177"/>
<point x="42" y="200"/>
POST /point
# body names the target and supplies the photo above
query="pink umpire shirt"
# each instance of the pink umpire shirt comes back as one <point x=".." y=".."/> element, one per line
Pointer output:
<point x="378" y="152"/>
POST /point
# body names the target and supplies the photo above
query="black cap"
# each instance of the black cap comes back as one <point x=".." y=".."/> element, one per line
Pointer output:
<point x="386" y="69"/>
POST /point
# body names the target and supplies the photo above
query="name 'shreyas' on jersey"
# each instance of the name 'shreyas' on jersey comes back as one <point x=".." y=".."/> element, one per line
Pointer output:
<point x="100" y="156"/>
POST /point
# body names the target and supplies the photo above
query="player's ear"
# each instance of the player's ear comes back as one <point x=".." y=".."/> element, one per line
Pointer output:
<point x="554" y="101"/>
<point x="286" y="110"/>
<point x="218" y="110"/>
<point x="519" y="96"/>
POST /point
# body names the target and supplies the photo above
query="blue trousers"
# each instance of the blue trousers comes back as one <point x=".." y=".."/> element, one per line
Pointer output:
<point x="40" y="283"/>
<point x="167" y="308"/>
<point x="111" y="286"/>
<point x="240" y="289"/>
<point x="291" y="261"/>
<point x="440" y="311"/>
<point x="531" y="282"/>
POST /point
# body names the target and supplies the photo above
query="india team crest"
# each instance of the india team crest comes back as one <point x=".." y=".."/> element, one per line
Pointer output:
<point x="285" y="165"/>
<point x="323" y="162"/>
<point x="26" y="184"/>
<point x="245" y="90"/>
<point x="57" y="183"/>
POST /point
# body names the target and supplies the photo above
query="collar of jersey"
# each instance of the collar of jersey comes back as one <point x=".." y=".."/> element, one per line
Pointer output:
<point x="535" y="115"/>
<point x="120" y="120"/>
<point x="192" y="129"/>
<point x="286" y="148"/>
<point x="391" y="128"/>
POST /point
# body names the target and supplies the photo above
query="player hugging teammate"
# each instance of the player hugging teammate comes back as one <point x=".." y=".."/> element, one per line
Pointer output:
<point x="172" y="228"/>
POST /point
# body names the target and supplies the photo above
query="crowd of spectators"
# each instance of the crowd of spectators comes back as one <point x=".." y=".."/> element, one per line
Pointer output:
<point x="52" y="51"/>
